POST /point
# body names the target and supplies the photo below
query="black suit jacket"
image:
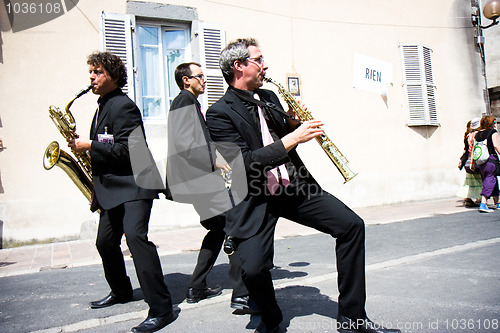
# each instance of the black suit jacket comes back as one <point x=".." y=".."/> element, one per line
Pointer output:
<point x="112" y="173"/>
<point x="191" y="153"/>
<point x="228" y="120"/>
<point x="192" y="174"/>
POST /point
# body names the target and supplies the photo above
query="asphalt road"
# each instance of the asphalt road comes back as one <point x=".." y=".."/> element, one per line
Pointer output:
<point x="437" y="274"/>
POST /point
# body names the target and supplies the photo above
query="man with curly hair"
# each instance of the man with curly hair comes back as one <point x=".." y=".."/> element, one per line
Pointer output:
<point x="124" y="206"/>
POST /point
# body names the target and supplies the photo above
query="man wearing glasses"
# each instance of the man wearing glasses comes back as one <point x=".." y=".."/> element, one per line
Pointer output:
<point x="279" y="185"/>
<point x="194" y="176"/>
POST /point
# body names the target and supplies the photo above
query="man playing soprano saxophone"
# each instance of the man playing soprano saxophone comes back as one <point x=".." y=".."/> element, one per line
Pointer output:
<point x="279" y="185"/>
<point x="125" y="207"/>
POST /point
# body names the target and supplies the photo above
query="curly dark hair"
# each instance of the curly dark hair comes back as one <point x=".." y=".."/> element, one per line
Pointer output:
<point x="112" y="64"/>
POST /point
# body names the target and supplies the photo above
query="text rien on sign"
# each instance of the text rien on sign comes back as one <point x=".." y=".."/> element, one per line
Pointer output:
<point x="373" y="74"/>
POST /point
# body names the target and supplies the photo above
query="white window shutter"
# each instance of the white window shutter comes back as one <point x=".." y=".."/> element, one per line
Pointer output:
<point x="208" y="41"/>
<point x="115" y="32"/>
<point x="429" y="82"/>
<point x="419" y="85"/>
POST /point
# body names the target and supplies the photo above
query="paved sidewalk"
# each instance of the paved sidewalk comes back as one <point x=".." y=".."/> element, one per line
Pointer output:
<point x="34" y="258"/>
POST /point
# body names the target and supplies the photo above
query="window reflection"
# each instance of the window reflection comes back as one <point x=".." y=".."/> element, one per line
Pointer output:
<point x="161" y="50"/>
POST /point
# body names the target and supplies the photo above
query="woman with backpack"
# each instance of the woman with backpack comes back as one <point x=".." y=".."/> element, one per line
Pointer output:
<point x="490" y="189"/>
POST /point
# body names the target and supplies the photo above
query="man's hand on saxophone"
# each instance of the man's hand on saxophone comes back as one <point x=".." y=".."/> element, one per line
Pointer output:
<point x="308" y="130"/>
<point x="294" y="121"/>
<point x="79" y="145"/>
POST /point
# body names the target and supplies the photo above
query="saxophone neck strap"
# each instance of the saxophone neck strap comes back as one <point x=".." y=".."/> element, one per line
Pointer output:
<point x="263" y="104"/>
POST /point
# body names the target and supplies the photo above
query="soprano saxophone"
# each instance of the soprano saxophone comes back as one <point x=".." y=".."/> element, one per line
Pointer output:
<point x="328" y="146"/>
<point x="79" y="168"/>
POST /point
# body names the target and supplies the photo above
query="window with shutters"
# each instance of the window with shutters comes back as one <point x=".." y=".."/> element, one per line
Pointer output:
<point x="152" y="49"/>
<point x="419" y="85"/>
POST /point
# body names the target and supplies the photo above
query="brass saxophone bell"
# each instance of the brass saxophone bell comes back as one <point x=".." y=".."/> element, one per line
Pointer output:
<point x="55" y="156"/>
<point x="51" y="155"/>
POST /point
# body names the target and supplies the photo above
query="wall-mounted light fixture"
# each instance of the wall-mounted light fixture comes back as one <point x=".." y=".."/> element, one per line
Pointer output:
<point x="491" y="11"/>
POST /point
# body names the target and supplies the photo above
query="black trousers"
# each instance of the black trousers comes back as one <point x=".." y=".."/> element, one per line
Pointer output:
<point x="132" y="218"/>
<point x="209" y="251"/>
<point x="313" y="207"/>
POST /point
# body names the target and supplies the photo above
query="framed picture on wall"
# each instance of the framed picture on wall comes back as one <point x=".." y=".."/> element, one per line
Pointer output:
<point x="293" y="82"/>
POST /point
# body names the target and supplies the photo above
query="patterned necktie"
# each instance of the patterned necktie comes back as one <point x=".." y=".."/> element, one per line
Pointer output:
<point x="267" y="139"/>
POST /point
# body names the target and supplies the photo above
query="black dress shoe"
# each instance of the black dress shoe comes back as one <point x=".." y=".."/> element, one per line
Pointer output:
<point x="347" y="325"/>
<point x="244" y="305"/>
<point x="263" y="328"/>
<point x="153" y="324"/>
<point x="108" y="301"/>
<point x="196" y="295"/>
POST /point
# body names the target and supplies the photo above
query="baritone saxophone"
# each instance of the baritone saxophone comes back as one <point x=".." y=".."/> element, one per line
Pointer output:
<point x="78" y="168"/>
<point x="328" y="146"/>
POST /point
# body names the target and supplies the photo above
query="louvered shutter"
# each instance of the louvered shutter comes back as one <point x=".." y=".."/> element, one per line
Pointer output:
<point x="429" y="85"/>
<point x="115" y="33"/>
<point x="208" y="41"/>
<point x="419" y="85"/>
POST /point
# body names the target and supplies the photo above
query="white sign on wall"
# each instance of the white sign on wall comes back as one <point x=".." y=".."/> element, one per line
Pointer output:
<point x="371" y="74"/>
